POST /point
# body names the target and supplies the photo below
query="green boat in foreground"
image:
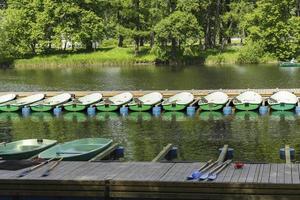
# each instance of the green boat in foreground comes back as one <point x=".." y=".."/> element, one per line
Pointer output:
<point x="50" y="103"/>
<point x="24" y="149"/>
<point x="289" y="64"/>
<point x="115" y="102"/>
<point x="16" y="105"/>
<point x="247" y="101"/>
<point x="77" y="150"/>
<point x="82" y="103"/>
<point x="213" y="101"/>
<point x="283" y="100"/>
<point x="146" y="102"/>
<point x="178" y="102"/>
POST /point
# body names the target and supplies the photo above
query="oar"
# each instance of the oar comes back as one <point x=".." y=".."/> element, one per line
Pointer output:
<point x="24" y="173"/>
<point x="206" y="175"/>
<point x="214" y="175"/>
<point x="47" y="172"/>
<point x="197" y="173"/>
<point x="66" y="152"/>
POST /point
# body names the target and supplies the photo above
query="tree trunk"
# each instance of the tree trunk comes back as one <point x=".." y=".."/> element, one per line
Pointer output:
<point x="298" y="8"/>
<point x="141" y="41"/>
<point x="120" y="42"/>
<point x="151" y="39"/>
<point x="137" y="46"/>
<point x="174" y="47"/>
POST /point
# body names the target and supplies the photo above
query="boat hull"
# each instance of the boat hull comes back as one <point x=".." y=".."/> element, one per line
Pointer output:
<point x="247" y="106"/>
<point x="9" y="108"/>
<point x="75" y="107"/>
<point x="25" y="155"/>
<point x="107" y="108"/>
<point x="211" y="107"/>
<point x="140" y="108"/>
<point x="174" y="107"/>
<point x="288" y="64"/>
<point x="41" y="108"/>
<point x="283" y="106"/>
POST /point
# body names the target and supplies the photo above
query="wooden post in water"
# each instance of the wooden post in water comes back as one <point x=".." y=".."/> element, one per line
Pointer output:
<point x="163" y="153"/>
<point x="105" y="153"/>
<point x="223" y="154"/>
<point x="287" y="154"/>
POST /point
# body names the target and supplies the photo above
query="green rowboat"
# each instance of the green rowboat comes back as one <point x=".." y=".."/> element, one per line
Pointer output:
<point x="82" y="103"/>
<point x="115" y="102"/>
<point x="16" y="105"/>
<point x="77" y="150"/>
<point x="247" y="101"/>
<point x="178" y="102"/>
<point x="289" y="64"/>
<point x="50" y="103"/>
<point x="24" y="149"/>
<point x="146" y="102"/>
<point x="213" y="101"/>
<point x="7" y="97"/>
<point x="283" y="100"/>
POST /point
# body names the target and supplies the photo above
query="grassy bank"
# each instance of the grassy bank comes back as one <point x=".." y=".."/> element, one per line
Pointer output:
<point x="126" y="56"/>
<point x="105" y="56"/>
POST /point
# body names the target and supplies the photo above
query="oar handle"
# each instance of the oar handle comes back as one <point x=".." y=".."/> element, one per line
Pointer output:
<point x="25" y="172"/>
<point x="205" y="165"/>
<point x="210" y="166"/>
<point x="222" y="167"/>
<point x="47" y="172"/>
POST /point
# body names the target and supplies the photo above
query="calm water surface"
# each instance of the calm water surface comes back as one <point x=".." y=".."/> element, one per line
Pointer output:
<point x="255" y="138"/>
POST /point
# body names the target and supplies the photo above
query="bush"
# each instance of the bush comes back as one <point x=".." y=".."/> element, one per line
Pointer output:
<point x="251" y="53"/>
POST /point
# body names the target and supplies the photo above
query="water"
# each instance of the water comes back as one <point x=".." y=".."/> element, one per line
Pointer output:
<point x="255" y="138"/>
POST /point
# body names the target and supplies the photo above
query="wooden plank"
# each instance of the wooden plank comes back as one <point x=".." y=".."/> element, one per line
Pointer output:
<point x="244" y="174"/>
<point x="105" y="153"/>
<point x="229" y="173"/>
<point x="273" y="173"/>
<point x="280" y="173"/>
<point x="251" y="173"/>
<point x="295" y="174"/>
<point x="287" y="154"/>
<point x="163" y="153"/>
<point x="266" y="173"/>
<point x="236" y="175"/>
<point x="223" y="154"/>
<point x="288" y="173"/>
<point x="258" y="173"/>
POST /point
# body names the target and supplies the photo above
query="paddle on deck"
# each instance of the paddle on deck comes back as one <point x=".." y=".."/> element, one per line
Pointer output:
<point x="48" y="171"/>
<point x="214" y="175"/>
<point x="198" y="173"/>
<point x="216" y="169"/>
<point x="25" y="172"/>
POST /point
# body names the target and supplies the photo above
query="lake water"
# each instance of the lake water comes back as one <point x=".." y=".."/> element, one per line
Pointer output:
<point x="254" y="138"/>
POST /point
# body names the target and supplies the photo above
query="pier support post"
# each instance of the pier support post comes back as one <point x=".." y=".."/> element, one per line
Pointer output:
<point x="156" y="111"/>
<point x="26" y="111"/>
<point x="169" y="152"/>
<point x="91" y="111"/>
<point x="57" y="111"/>
<point x="227" y="110"/>
<point x="287" y="154"/>
<point x="124" y="111"/>
<point x="297" y="110"/>
<point x="190" y="111"/>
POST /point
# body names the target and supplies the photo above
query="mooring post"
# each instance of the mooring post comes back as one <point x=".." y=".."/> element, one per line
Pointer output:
<point x="287" y="154"/>
<point x="164" y="152"/>
<point x="263" y="109"/>
<point x="227" y="110"/>
<point x="223" y="154"/>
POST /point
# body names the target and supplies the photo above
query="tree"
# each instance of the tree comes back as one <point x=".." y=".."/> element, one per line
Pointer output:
<point x="180" y="28"/>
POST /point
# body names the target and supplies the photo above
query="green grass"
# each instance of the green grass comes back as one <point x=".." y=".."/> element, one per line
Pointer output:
<point x="104" y="56"/>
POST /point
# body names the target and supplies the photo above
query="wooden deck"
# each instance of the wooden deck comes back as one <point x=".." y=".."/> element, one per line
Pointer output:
<point x="149" y="180"/>
<point x="166" y="93"/>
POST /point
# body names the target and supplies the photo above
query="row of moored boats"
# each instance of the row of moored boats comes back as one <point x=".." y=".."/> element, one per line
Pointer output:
<point x="248" y="100"/>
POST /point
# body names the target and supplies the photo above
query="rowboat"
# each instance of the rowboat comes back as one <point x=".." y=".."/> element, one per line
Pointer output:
<point x="16" y="105"/>
<point x="178" y="102"/>
<point x="7" y="97"/>
<point x="289" y="64"/>
<point x="213" y="101"/>
<point x="50" y="103"/>
<point x="283" y="100"/>
<point x="248" y="100"/>
<point x="115" y="102"/>
<point x="146" y="102"/>
<point x="24" y="149"/>
<point x="283" y="116"/>
<point x="77" y="150"/>
<point x="82" y="103"/>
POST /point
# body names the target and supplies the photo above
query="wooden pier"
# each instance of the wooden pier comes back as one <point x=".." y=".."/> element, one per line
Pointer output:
<point x="165" y="93"/>
<point x="151" y="180"/>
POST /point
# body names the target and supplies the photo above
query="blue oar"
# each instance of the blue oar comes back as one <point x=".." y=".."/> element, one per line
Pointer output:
<point x="25" y="172"/>
<point x="206" y="175"/>
<point x="214" y="175"/>
<point x="199" y="172"/>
